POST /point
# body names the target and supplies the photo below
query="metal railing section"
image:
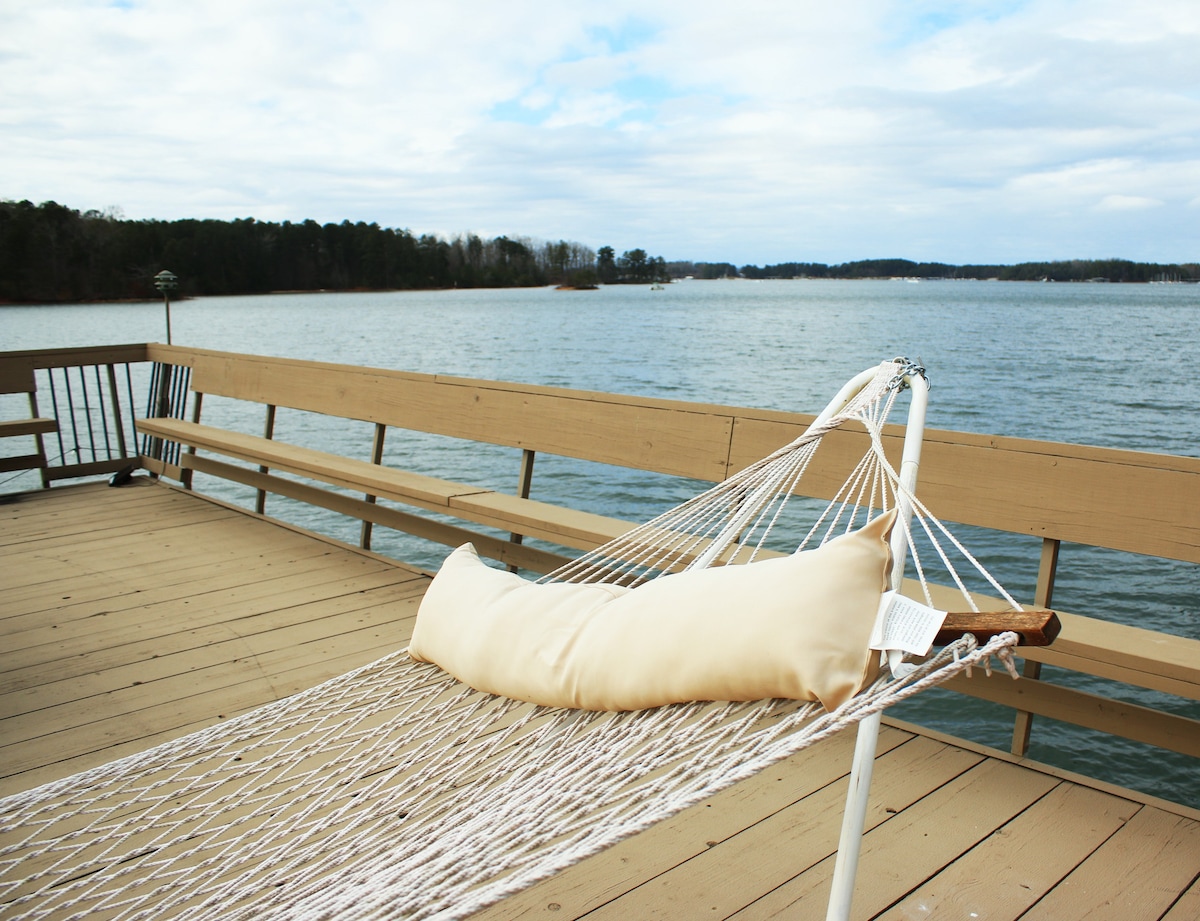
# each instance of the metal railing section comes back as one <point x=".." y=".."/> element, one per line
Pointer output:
<point x="167" y="398"/>
<point x="94" y="407"/>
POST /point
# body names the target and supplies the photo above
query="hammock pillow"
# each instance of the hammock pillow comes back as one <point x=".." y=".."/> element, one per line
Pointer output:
<point x="793" y="627"/>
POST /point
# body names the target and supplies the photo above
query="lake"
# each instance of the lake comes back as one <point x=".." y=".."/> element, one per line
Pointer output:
<point x="1099" y="364"/>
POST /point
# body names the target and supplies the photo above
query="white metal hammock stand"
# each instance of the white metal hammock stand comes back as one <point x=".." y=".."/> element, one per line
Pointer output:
<point x="395" y="792"/>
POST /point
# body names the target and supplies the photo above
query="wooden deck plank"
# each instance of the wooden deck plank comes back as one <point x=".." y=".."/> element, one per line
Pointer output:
<point x="51" y="663"/>
<point x="127" y="619"/>
<point x="80" y="570"/>
<point x="1019" y="863"/>
<point x="596" y="882"/>
<point x="769" y="852"/>
<point x="119" y="665"/>
<point x="240" y="657"/>
<point x="45" y="569"/>
<point x="914" y="844"/>
<point x="161" y="542"/>
<point x="149" y="530"/>
<point x="77" y="514"/>
<point x="177" y="627"/>
<point x="1188" y="906"/>
<point x="286" y="684"/>
<point x="92" y="594"/>
<point x="1137" y="875"/>
<point x="76" y="658"/>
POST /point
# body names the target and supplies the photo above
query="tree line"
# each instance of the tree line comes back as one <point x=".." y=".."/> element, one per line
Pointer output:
<point x="51" y="253"/>
<point x="1113" y="270"/>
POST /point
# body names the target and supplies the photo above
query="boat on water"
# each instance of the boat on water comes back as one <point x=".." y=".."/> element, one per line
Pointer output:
<point x="191" y="595"/>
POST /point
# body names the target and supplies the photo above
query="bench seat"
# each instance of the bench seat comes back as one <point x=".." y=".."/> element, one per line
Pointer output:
<point x="568" y="527"/>
<point x="14" y="427"/>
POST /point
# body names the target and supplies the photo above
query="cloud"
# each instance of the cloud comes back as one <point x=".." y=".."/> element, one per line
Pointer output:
<point x="1127" y="203"/>
<point x="970" y="131"/>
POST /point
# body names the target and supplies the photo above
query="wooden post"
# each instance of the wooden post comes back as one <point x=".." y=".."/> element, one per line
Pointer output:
<point x="43" y="464"/>
<point x="197" y="401"/>
<point x="161" y="382"/>
<point x="523" y="487"/>
<point x="260" y="502"/>
<point x="376" y="458"/>
<point x="113" y="398"/>
<point x="1043" y="598"/>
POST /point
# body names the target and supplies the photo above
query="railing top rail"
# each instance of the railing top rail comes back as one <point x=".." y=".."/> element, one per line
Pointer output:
<point x="76" y="356"/>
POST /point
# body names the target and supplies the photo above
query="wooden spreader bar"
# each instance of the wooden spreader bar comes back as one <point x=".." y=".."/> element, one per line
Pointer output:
<point x="1035" y="628"/>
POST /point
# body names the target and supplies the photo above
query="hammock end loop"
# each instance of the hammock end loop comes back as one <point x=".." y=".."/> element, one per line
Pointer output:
<point x="908" y="368"/>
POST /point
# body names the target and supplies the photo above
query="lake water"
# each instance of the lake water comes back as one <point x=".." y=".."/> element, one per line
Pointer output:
<point x="1100" y="364"/>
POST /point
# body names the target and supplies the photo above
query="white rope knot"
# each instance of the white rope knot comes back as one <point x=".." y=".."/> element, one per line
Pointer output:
<point x="1006" y="657"/>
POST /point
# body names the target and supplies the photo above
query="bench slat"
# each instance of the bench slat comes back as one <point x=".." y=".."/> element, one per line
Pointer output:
<point x="387" y="482"/>
<point x="570" y="527"/>
<point x="39" y="426"/>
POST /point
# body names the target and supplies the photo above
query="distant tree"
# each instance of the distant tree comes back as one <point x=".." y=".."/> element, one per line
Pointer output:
<point x="563" y="260"/>
<point x="716" y="270"/>
<point x="556" y="258"/>
<point x="606" y="266"/>
<point x="633" y="267"/>
<point x="787" y="270"/>
<point x="583" y="278"/>
<point x="513" y="264"/>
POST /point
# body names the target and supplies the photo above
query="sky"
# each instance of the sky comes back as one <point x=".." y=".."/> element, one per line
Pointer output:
<point x="984" y="131"/>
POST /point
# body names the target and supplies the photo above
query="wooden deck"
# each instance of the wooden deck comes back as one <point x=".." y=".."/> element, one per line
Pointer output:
<point x="133" y="615"/>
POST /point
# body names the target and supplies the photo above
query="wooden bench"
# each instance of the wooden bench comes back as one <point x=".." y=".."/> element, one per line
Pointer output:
<point x="1054" y="493"/>
<point x="523" y="516"/>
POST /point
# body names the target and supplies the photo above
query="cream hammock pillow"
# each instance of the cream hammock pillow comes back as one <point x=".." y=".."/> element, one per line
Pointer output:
<point x="793" y="627"/>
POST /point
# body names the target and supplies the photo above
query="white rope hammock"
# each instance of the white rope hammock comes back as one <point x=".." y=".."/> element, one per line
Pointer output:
<point x="393" y="791"/>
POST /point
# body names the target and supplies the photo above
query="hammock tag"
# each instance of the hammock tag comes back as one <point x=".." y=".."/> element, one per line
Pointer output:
<point x="905" y="625"/>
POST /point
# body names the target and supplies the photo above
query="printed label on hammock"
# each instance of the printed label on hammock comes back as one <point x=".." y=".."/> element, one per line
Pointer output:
<point x="905" y="624"/>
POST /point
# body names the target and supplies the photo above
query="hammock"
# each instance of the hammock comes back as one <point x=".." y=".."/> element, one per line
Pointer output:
<point x="394" y="791"/>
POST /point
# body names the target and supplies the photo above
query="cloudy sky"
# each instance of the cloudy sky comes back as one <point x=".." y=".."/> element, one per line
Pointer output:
<point x="979" y="131"/>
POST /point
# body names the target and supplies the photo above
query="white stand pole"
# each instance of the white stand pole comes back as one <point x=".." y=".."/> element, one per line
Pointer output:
<point x="854" y="817"/>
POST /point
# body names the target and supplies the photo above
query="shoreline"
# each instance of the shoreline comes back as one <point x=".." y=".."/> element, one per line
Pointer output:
<point x="301" y="291"/>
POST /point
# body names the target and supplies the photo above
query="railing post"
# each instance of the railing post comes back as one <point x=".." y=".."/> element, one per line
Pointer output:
<point x="376" y="458"/>
<point x="115" y="400"/>
<point x="1043" y="596"/>
<point x="43" y="464"/>
<point x="197" y="400"/>
<point x="260" y="500"/>
<point x="168" y="400"/>
<point x="160" y="402"/>
<point x="524" y="484"/>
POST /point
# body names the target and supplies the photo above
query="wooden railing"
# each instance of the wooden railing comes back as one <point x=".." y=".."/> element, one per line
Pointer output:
<point x="87" y="399"/>
<point x="1123" y="500"/>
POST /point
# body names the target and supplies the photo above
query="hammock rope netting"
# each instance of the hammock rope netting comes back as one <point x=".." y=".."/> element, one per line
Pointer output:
<point x="394" y="791"/>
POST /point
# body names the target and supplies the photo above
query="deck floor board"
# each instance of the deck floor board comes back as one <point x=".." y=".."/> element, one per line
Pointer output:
<point x="132" y="616"/>
<point x="164" y="613"/>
